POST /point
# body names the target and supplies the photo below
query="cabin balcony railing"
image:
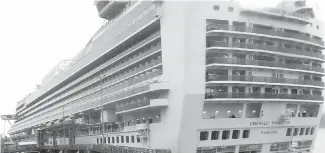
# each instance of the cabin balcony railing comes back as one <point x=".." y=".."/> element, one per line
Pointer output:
<point x="132" y="106"/>
<point x="118" y="96"/>
<point x="131" y="82"/>
<point x="270" y="32"/>
<point x="263" y="79"/>
<point x="264" y="47"/>
<point x="219" y="60"/>
<point x="21" y="148"/>
<point x="213" y="95"/>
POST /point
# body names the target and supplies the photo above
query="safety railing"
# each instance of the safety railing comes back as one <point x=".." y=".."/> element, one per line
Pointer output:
<point x="264" y="47"/>
<point x="265" y="31"/>
<point x="263" y="79"/>
<point x="219" y="60"/>
<point x="212" y="95"/>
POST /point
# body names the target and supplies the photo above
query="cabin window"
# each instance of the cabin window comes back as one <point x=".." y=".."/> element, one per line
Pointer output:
<point x="113" y="139"/>
<point x="235" y="134"/>
<point x="138" y="138"/>
<point x="312" y="131"/>
<point x="117" y="139"/>
<point x="216" y="7"/>
<point x="204" y="135"/>
<point x="127" y="139"/>
<point x="295" y="132"/>
<point x="308" y="110"/>
<point x="104" y="140"/>
<point x="108" y="140"/>
<point x="97" y="140"/>
<point x="307" y="131"/>
<point x="215" y="135"/>
<point x="225" y="134"/>
<point x="122" y="139"/>
<point x="291" y="110"/>
<point x="230" y="9"/>
<point x="246" y="133"/>
<point x="132" y="138"/>
<point x="253" y="110"/>
<point x="289" y="131"/>
<point x="302" y="131"/>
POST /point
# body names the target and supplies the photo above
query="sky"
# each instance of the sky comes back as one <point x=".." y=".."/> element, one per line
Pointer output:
<point x="37" y="34"/>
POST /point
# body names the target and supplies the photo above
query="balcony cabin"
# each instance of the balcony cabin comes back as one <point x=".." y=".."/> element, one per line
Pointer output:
<point x="238" y="72"/>
<point x="308" y="110"/>
<point x="217" y="41"/>
<point x="239" y="56"/>
<point x="295" y="34"/>
<point x="239" y="26"/>
<point x="291" y="110"/>
<point x="130" y="121"/>
<point x="238" y="89"/>
<point x="222" y="110"/>
<point x="263" y="58"/>
<point x="231" y="110"/>
<point x="216" y="75"/>
<point x="238" y="40"/>
<point x="136" y="102"/>
<point x="253" y="110"/>
<point x="264" y="44"/>
<point x="258" y="28"/>
<point x="217" y="24"/>
<point x="211" y="92"/>
<point x="279" y="147"/>
<point x="217" y="91"/>
<point x="253" y="148"/>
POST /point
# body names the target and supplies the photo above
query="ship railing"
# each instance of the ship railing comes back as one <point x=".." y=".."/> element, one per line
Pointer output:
<point x="265" y="31"/>
<point x="219" y="60"/>
<point x="264" y="47"/>
<point x="213" y="95"/>
<point x="214" y="77"/>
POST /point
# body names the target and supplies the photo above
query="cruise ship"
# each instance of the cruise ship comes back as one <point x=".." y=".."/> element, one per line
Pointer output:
<point x="183" y="77"/>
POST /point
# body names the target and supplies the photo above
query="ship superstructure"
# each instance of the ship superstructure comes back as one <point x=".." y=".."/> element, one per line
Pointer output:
<point x="184" y="77"/>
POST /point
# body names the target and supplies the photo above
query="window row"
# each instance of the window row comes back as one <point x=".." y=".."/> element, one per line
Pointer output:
<point x="300" y="131"/>
<point x="119" y="139"/>
<point x="225" y="134"/>
<point x="217" y="8"/>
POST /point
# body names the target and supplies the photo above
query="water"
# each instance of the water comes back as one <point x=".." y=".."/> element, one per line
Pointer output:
<point x="320" y="139"/>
